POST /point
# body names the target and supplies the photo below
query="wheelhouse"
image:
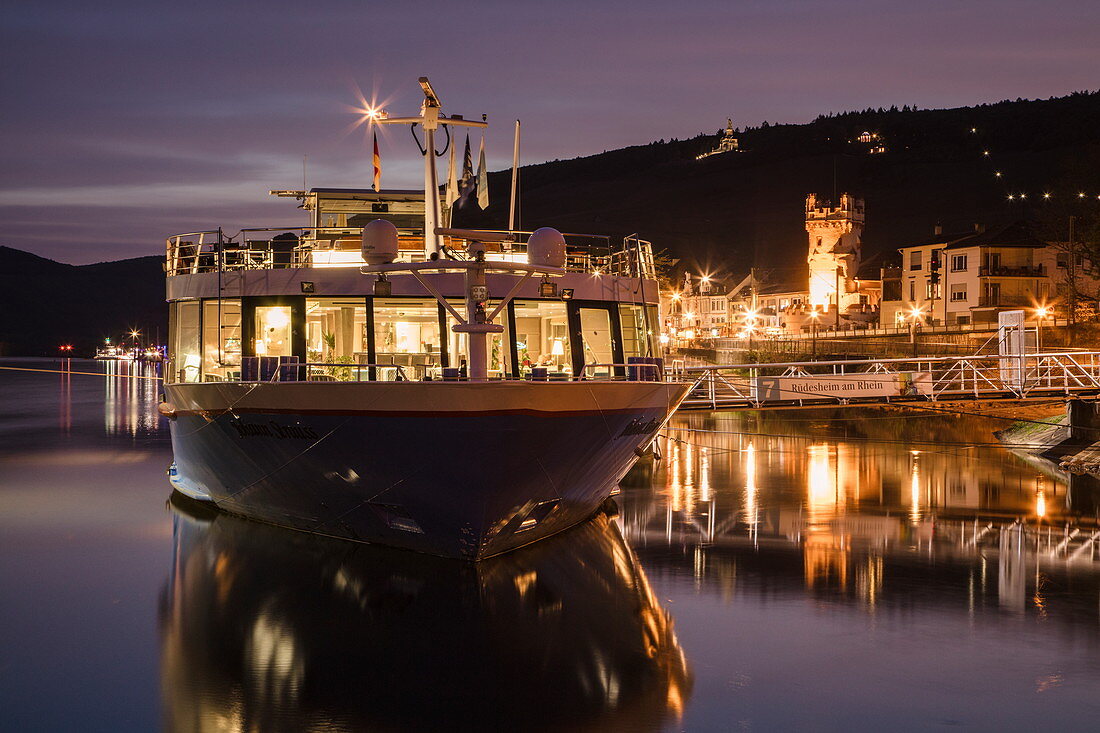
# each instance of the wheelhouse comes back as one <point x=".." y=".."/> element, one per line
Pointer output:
<point x="297" y="294"/>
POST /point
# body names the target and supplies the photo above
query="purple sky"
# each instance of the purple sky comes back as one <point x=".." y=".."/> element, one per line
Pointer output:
<point x="126" y="121"/>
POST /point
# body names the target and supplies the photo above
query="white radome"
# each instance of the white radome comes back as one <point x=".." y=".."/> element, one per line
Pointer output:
<point x="546" y="247"/>
<point x="379" y="242"/>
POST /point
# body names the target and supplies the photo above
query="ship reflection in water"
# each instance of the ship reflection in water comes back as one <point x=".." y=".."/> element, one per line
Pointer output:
<point x="266" y="629"/>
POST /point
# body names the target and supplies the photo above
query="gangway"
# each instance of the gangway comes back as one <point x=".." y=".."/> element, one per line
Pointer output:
<point x="895" y="380"/>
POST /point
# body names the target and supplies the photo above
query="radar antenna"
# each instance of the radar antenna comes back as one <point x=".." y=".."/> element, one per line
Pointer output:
<point x="430" y="119"/>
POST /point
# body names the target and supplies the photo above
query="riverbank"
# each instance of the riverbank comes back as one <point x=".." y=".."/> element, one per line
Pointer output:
<point x="1070" y="440"/>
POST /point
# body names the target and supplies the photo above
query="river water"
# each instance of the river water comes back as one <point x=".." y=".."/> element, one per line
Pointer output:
<point x="804" y="570"/>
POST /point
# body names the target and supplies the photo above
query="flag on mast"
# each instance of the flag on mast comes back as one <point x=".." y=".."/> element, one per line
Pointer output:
<point x="452" y="181"/>
<point x="377" y="165"/>
<point x="467" y="182"/>
<point x="482" y="178"/>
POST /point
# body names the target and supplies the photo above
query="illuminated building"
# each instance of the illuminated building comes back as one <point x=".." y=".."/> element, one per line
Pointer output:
<point x="967" y="278"/>
<point x="728" y="144"/>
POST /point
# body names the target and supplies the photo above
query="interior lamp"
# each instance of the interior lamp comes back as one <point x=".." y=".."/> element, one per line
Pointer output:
<point x="276" y="318"/>
<point x="557" y="348"/>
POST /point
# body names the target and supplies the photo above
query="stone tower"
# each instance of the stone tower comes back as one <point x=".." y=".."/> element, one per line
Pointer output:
<point x="834" y="243"/>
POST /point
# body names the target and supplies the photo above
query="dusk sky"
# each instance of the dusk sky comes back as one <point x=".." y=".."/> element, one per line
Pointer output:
<point x="128" y="121"/>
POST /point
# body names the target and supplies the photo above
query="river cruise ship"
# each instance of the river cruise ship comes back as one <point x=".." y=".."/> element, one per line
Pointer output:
<point x="379" y="377"/>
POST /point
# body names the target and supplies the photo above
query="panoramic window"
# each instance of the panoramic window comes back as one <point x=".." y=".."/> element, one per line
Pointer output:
<point x="406" y="334"/>
<point x="542" y="337"/>
<point x="336" y="334"/>
<point x="273" y="330"/>
<point x="186" y="351"/>
<point x="458" y="349"/>
<point x="597" y="343"/>
<point x="221" y="339"/>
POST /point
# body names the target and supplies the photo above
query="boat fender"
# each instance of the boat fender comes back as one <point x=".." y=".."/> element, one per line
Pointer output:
<point x="167" y="409"/>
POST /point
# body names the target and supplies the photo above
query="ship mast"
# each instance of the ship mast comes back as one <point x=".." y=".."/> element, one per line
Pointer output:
<point x="430" y="119"/>
<point x="476" y="322"/>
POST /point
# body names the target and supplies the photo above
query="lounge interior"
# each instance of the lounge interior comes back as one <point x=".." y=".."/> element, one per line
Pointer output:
<point x="356" y="338"/>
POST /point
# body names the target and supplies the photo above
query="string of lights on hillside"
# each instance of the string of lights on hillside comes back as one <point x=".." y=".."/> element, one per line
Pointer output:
<point x="1047" y="193"/>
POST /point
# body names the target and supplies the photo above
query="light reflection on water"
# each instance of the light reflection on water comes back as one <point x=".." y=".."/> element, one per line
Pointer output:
<point x="264" y="629"/>
<point x="798" y="570"/>
<point x="842" y="572"/>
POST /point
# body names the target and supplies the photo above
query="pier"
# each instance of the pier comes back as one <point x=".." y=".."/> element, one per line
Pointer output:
<point x="898" y="380"/>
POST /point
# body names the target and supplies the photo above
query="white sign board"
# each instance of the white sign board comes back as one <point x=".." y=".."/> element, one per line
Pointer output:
<point x="842" y="386"/>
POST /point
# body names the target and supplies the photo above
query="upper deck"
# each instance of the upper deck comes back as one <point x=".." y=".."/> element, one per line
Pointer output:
<point x="300" y="293"/>
<point x="332" y="240"/>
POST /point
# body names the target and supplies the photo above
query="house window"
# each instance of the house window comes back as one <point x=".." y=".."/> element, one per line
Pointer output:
<point x="914" y="260"/>
<point x="912" y="290"/>
<point x="962" y="320"/>
<point x="958" y="292"/>
<point x="958" y="263"/>
<point x="932" y="290"/>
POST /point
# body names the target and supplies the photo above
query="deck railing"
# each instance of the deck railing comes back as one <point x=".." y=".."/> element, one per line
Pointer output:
<point x="270" y="248"/>
<point x="919" y="379"/>
<point x="287" y="369"/>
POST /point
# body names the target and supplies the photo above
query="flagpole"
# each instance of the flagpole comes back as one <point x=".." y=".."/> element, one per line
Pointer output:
<point x="515" y="174"/>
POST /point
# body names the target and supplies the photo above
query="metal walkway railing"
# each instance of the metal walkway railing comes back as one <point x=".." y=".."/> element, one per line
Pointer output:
<point x="891" y="380"/>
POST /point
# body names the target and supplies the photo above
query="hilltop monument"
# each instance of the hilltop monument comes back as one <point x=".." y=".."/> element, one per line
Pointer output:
<point x="834" y="255"/>
<point x="728" y="144"/>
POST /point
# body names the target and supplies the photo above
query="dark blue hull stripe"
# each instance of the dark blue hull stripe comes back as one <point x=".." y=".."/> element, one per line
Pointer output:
<point x="460" y="486"/>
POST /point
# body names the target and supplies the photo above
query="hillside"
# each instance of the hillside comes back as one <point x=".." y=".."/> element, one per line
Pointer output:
<point x="47" y="303"/>
<point x="722" y="214"/>
<point x="733" y="210"/>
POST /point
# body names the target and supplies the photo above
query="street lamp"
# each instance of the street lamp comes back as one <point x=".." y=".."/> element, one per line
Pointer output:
<point x="1041" y="312"/>
<point x="813" y="330"/>
<point x="914" y="315"/>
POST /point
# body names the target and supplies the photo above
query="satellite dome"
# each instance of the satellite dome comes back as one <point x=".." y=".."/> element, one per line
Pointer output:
<point x="379" y="242"/>
<point x="546" y="247"/>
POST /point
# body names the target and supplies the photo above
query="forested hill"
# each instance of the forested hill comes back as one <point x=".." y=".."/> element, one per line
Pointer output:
<point x="47" y="303"/>
<point x="727" y="212"/>
<point x="722" y="214"/>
